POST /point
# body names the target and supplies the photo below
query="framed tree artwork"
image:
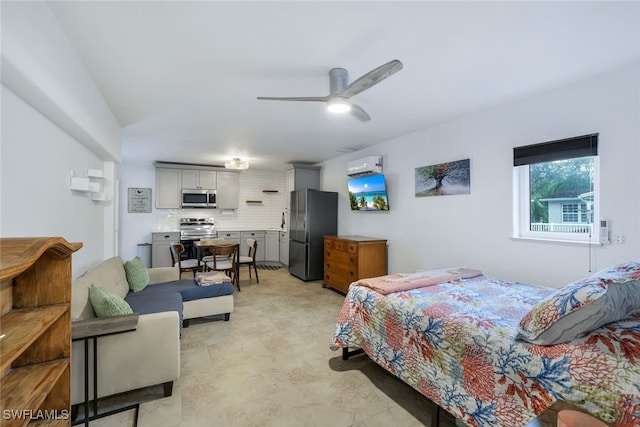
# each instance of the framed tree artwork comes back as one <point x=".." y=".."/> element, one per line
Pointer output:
<point x="443" y="179"/>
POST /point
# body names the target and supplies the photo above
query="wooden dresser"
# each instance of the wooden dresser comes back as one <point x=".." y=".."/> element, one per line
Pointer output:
<point x="350" y="258"/>
<point x="35" y="343"/>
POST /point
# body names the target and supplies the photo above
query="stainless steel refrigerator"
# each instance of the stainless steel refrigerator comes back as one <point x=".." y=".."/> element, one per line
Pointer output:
<point x="313" y="214"/>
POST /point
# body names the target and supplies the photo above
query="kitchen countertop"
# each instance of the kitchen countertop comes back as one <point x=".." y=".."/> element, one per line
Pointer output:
<point x="227" y="229"/>
<point x="223" y="229"/>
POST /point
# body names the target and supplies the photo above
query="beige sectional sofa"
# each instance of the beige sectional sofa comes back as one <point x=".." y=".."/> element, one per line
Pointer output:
<point x="150" y="355"/>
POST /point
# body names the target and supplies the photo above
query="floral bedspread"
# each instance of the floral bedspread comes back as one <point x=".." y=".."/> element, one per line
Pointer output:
<point x="455" y="343"/>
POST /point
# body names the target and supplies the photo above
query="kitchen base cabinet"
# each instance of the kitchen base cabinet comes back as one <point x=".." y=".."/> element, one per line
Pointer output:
<point x="351" y="258"/>
<point x="161" y="248"/>
<point x="259" y="237"/>
<point x="284" y="248"/>
<point x="272" y="246"/>
<point x="232" y="235"/>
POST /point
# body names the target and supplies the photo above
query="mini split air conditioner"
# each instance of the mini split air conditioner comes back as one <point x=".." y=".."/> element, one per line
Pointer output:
<point x="367" y="166"/>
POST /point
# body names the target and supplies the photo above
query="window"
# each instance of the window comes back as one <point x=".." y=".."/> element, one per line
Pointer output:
<point x="556" y="190"/>
<point x="575" y="212"/>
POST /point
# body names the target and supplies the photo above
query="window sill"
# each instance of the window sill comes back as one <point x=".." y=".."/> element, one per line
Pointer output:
<point x="556" y="241"/>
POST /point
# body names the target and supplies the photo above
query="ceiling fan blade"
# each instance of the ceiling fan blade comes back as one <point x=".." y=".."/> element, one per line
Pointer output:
<point x="298" y="98"/>
<point x="373" y="77"/>
<point x="359" y="113"/>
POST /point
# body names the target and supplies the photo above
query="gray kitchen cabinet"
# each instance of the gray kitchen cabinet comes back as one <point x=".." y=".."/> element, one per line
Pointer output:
<point x="299" y="178"/>
<point x="160" y="247"/>
<point x="168" y="188"/>
<point x="259" y="237"/>
<point x="192" y="178"/>
<point x="230" y="235"/>
<point x="303" y="177"/>
<point x="284" y="248"/>
<point x="228" y="190"/>
<point x="272" y="246"/>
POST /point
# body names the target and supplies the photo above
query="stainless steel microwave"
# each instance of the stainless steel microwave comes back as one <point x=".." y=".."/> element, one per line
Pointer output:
<point x="198" y="198"/>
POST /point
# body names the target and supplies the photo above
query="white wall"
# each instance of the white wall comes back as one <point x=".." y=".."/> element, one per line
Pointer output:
<point x="475" y="229"/>
<point x="36" y="160"/>
<point x="54" y="121"/>
<point x="40" y="65"/>
<point x="136" y="228"/>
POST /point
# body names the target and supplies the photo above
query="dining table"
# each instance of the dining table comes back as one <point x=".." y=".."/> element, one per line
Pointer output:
<point x="202" y="244"/>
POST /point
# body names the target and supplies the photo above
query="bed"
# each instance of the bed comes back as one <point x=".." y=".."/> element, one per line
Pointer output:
<point x="494" y="352"/>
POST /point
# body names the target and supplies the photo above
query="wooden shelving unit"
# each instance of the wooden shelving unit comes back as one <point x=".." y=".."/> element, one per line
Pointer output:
<point x="35" y="322"/>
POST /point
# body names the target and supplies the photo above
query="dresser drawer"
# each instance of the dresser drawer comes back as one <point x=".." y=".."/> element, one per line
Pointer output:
<point x="340" y="257"/>
<point x="343" y="270"/>
<point x="338" y="245"/>
<point x="351" y="248"/>
<point x="337" y="281"/>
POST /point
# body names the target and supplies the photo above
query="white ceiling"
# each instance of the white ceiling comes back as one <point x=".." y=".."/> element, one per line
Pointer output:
<point x="182" y="77"/>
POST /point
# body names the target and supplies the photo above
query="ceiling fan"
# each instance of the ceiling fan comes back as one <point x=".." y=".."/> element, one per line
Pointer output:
<point x="338" y="100"/>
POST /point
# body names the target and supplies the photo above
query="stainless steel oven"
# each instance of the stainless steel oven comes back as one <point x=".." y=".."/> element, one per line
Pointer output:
<point x="194" y="229"/>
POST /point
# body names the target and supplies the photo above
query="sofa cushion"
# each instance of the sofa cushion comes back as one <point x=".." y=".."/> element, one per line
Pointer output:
<point x="137" y="274"/>
<point x="106" y="303"/>
<point x="108" y="274"/>
<point x="189" y="290"/>
<point x="155" y="302"/>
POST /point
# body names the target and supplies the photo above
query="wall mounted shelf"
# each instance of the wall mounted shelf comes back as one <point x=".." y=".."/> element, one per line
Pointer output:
<point x="95" y="173"/>
<point x="90" y="184"/>
<point x="84" y="184"/>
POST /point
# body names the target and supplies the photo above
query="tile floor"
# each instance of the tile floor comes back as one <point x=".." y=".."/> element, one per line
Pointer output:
<point x="271" y="365"/>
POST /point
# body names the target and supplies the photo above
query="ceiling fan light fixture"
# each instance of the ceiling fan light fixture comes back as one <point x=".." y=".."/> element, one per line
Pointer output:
<point x="236" y="163"/>
<point x="339" y="105"/>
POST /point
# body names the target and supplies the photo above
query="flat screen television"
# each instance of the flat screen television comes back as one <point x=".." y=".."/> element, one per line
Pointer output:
<point x="368" y="193"/>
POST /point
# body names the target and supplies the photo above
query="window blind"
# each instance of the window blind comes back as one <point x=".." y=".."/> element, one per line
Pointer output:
<point x="561" y="149"/>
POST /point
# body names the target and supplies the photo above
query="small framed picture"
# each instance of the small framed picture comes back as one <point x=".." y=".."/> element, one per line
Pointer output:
<point x="139" y="200"/>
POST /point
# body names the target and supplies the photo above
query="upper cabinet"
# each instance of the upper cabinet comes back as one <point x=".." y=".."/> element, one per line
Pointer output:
<point x="168" y="188"/>
<point x="192" y="178"/>
<point x="227" y="194"/>
<point x="171" y="180"/>
<point x="302" y="177"/>
<point x="299" y="178"/>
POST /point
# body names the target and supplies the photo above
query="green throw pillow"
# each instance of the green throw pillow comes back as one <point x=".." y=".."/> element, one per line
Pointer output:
<point x="137" y="274"/>
<point x="106" y="303"/>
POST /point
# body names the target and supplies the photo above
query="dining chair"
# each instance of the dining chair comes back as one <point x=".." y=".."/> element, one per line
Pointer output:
<point x="184" y="265"/>
<point x="225" y="258"/>
<point x="250" y="260"/>
<point x="208" y="242"/>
